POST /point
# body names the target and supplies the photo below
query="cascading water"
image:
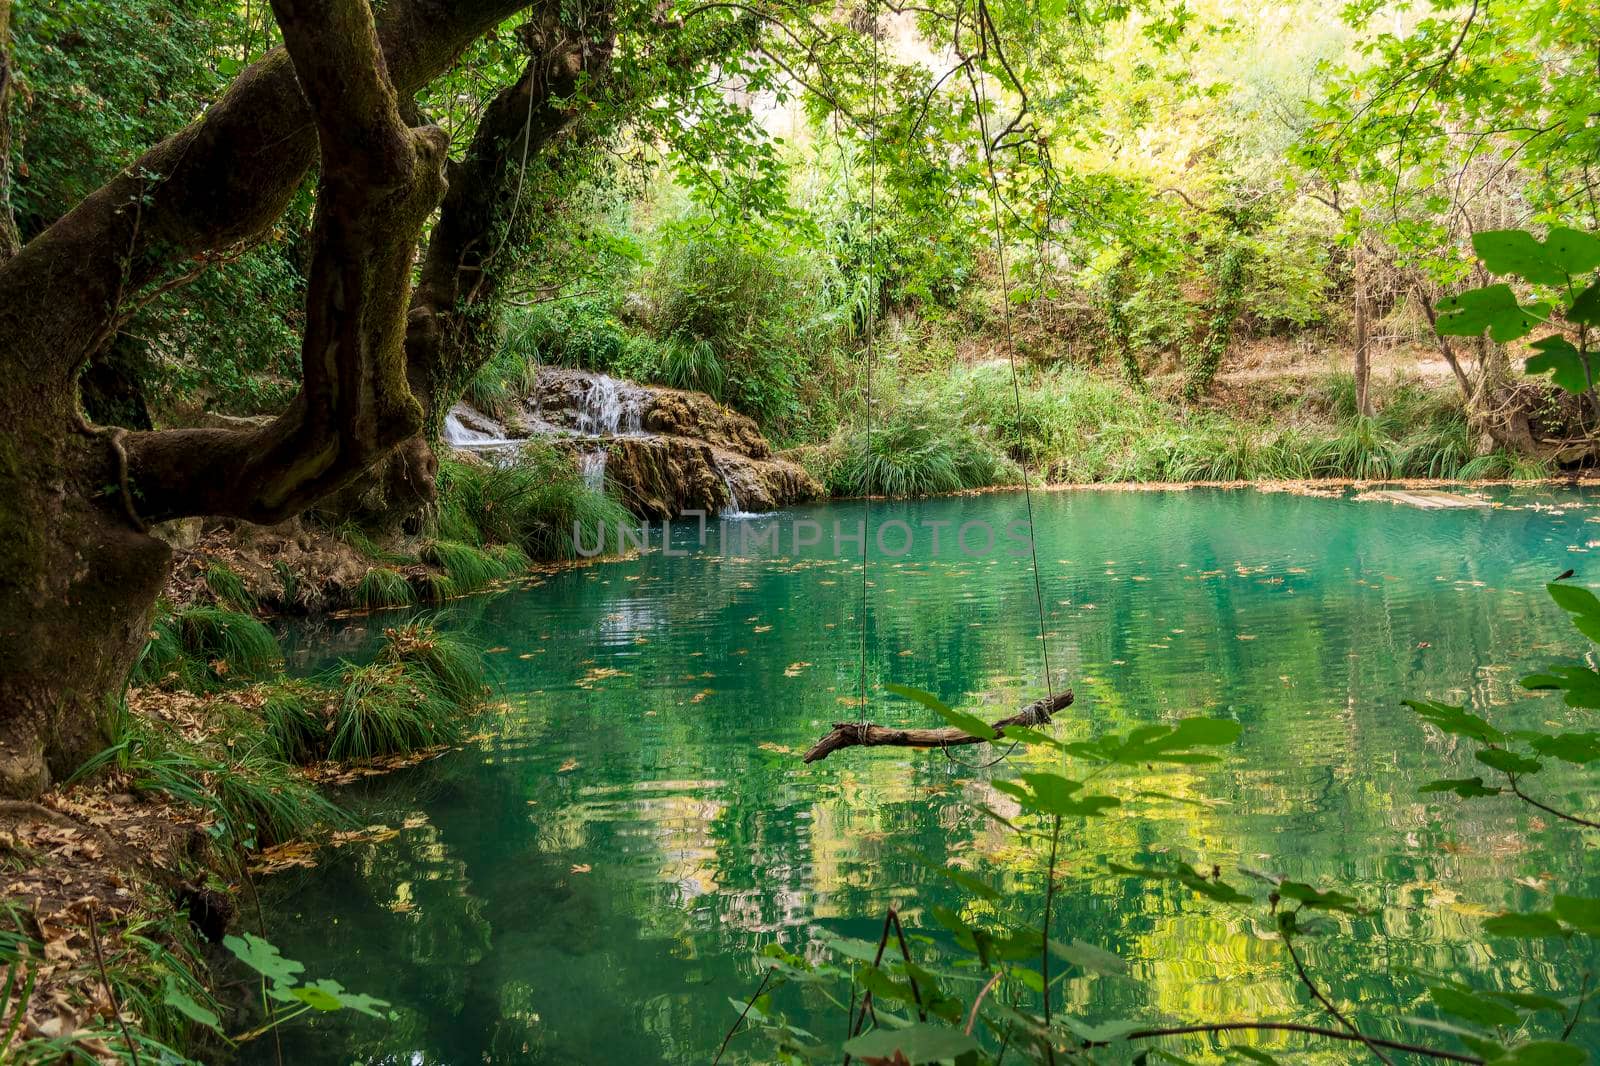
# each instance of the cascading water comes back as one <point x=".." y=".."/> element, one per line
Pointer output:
<point x="592" y="465"/>
<point x="732" y="510"/>
<point x="604" y="410"/>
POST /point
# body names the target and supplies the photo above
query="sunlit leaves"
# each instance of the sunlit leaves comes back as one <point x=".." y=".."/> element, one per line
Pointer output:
<point x="1461" y="1002"/>
<point x="1047" y="793"/>
<point x="1465" y="787"/>
<point x="1210" y="887"/>
<point x="1564" y="252"/>
<point x="1161" y="743"/>
<point x="1493" y="308"/>
<point x="969" y="724"/>
<point x="1457" y="720"/>
<point x="913" y="1044"/>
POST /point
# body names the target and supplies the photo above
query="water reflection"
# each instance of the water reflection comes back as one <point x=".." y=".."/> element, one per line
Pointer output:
<point x="589" y="883"/>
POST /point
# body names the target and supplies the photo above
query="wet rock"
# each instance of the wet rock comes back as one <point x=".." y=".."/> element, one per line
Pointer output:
<point x="662" y="451"/>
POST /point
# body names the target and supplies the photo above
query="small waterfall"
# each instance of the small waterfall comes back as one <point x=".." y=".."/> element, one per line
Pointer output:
<point x="733" y="510"/>
<point x="605" y="411"/>
<point x="592" y="465"/>
<point x="491" y="441"/>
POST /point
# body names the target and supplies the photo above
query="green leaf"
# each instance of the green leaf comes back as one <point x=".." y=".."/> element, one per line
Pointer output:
<point x="1572" y="251"/>
<point x="1048" y="793"/>
<point x="1580" y="684"/>
<point x="1563" y="362"/>
<point x="1253" y="1055"/>
<point x="1580" y="749"/>
<point x="916" y="1043"/>
<point x="184" y="1004"/>
<point x="1545" y="1053"/>
<point x="969" y="724"/>
<point x="317" y="996"/>
<point x="1465" y="787"/>
<point x="1582" y="604"/>
<point x="1528" y="1001"/>
<point x="329" y="995"/>
<point x="853" y="948"/>
<point x="263" y="958"/>
<point x="1469" y="1006"/>
<point x="1450" y="719"/>
<point x="1088" y="957"/>
<point x="1495" y="309"/>
<point x="1525" y="924"/>
<point x="1100" y="1032"/>
<point x="1508" y="762"/>
<point x="1586" y="307"/>
<point x="1216" y="889"/>
<point x="960" y="878"/>
<point x="1310" y="897"/>
<point x="1580" y="912"/>
<point x="1518" y="252"/>
<point x="1162" y="743"/>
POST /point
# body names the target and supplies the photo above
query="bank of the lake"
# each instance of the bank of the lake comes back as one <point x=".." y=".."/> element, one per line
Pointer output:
<point x="591" y="880"/>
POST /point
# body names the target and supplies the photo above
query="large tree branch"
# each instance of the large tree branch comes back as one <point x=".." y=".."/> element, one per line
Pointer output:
<point x="451" y="321"/>
<point x="219" y="181"/>
<point x="380" y="180"/>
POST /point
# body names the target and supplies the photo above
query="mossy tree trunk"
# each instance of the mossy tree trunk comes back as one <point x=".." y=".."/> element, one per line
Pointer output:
<point x="8" y="220"/>
<point x="79" y="571"/>
<point x="1206" y="355"/>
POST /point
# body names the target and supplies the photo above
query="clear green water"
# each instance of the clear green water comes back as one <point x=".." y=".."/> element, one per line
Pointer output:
<point x="588" y="882"/>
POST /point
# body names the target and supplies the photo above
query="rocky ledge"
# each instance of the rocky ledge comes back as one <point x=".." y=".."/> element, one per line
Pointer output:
<point x="661" y="451"/>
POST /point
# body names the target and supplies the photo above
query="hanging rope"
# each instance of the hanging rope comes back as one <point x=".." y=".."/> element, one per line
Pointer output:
<point x="872" y="342"/>
<point x="862" y="733"/>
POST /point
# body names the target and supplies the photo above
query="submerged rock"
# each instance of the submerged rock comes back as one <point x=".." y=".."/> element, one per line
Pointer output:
<point x="662" y="451"/>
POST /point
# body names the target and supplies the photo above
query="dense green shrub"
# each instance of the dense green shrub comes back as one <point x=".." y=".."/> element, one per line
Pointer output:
<point x="533" y="504"/>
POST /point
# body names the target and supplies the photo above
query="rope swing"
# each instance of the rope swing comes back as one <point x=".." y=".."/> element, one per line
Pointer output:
<point x="863" y="733"/>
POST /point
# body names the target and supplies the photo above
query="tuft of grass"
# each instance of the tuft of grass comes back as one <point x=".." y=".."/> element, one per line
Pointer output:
<point x="291" y="720"/>
<point x="451" y="665"/>
<point x="226" y="584"/>
<point x="380" y="711"/>
<point x="416" y="693"/>
<point x="202" y="648"/>
<point x="233" y="645"/>
<point x="468" y="567"/>
<point x="383" y="587"/>
<point x="532" y="505"/>
<point x="918" y="451"/>
<point x="254" y="797"/>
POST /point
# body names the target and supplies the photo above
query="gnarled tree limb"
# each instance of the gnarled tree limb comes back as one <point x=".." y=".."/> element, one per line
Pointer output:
<point x="213" y="184"/>
<point x="379" y="182"/>
<point x="867" y="735"/>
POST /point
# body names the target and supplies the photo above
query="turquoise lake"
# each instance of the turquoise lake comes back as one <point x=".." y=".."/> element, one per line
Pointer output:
<point x="589" y="879"/>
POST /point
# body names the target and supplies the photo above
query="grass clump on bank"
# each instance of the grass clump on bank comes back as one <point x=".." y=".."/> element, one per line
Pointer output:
<point x="412" y="696"/>
<point x="971" y="429"/>
<point x="534" y="505"/>
<point x="201" y="648"/>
